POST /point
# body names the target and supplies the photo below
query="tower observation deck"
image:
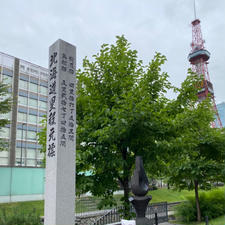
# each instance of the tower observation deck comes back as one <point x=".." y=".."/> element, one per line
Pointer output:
<point x="198" y="58"/>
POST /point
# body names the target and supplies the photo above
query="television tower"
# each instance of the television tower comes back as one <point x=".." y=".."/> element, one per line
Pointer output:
<point x="198" y="58"/>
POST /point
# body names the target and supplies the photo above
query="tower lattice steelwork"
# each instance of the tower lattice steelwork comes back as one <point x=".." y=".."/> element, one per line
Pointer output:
<point x="198" y="58"/>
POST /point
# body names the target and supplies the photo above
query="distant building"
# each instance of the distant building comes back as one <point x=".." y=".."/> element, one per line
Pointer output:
<point x="28" y="84"/>
<point x="221" y="111"/>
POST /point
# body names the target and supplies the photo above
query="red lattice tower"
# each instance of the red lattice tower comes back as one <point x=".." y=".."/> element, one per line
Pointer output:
<point x="198" y="58"/>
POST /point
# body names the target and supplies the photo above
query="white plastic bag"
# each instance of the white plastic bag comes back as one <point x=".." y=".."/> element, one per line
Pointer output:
<point x="128" y="222"/>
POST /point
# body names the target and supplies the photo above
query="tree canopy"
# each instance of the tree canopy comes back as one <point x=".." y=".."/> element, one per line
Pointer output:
<point x="123" y="111"/>
<point x="198" y="149"/>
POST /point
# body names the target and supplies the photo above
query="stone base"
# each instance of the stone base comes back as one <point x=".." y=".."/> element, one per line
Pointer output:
<point x="143" y="221"/>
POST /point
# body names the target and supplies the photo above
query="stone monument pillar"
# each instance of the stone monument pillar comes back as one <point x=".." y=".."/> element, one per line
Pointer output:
<point x="61" y="136"/>
<point x="140" y="187"/>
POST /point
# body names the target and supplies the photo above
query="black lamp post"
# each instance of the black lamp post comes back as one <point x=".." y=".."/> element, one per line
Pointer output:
<point x="21" y="151"/>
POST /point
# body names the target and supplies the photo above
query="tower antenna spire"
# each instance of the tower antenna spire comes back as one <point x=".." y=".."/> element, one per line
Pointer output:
<point x="198" y="58"/>
<point x="195" y="10"/>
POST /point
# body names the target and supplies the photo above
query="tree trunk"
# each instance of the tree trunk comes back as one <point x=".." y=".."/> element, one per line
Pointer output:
<point x="126" y="173"/>
<point x="126" y="198"/>
<point x="168" y="186"/>
<point x="197" y="201"/>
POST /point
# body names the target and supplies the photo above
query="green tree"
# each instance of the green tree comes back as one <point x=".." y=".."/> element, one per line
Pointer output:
<point x="121" y="113"/>
<point x="198" y="149"/>
<point x="5" y="107"/>
<point x="42" y="138"/>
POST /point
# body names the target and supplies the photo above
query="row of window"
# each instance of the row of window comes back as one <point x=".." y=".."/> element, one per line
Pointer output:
<point x="25" y="162"/>
<point x="29" y="156"/>
<point x="6" y="79"/>
<point x="25" y="85"/>
<point x="20" y="134"/>
<point x="32" y="87"/>
<point x="28" y="152"/>
<point x="23" y="117"/>
<point x="32" y="103"/>
<point x="29" y="162"/>
<point x="26" y="135"/>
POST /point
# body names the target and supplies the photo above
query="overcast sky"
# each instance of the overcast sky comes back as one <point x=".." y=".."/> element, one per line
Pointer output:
<point x="29" y="27"/>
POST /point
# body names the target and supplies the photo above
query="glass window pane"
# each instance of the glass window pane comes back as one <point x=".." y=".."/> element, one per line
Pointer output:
<point x="31" y="153"/>
<point x="22" y="117"/>
<point x="18" y="153"/>
<point x="23" y="84"/>
<point x="31" y="162"/>
<point x="23" y="100"/>
<point x="4" y="153"/>
<point x="33" y="87"/>
<point x="31" y="135"/>
<point x="33" y="103"/>
<point x="4" y="97"/>
<point x="39" y="162"/>
<point x="4" y="161"/>
<point x="5" y="116"/>
<point x="40" y="119"/>
<point x="4" y="132"/>
<point x="6" y="79"/>
<point x="43" y="105"/>
<point x="18" y="162"/>
<point x="43" y="90"/>
<point x="39" y="154"/>
<point x="32" y="119"/>
<point x="20" y="135"/>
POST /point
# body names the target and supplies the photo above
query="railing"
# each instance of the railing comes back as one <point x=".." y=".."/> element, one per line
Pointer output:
<point x="111" y="217"/>
<point x="157" y="209"/>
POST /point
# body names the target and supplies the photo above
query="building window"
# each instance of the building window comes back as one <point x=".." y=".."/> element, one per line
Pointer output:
<point x="4" y="132"/>
<point x="33" y="103"/>
<point x="43" y="90"/>
<point x="32" y="119"/>
<point x="6" y="116"/>
<point x="23" y="100"/>
<point x="40" y="120"/>
<point x="19" y="153"/>
<point x="4" y="154"/>
<point x="6" y="79"/>
<point x="22" y="117"/>
<point x="31" y="153"/>
<point x="4" y="161"/>
<point x="33" y="87"/>
<point x="31" y="162"/>
<point x="23" y="84"/>
<point x="40" y="155"/>
<point x="43" y="105"/>
<point x="31" y="135"/>
<point x="20" y="135"/>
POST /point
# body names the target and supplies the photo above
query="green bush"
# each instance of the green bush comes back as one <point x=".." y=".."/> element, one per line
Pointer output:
<point x="18" y="217"/>
<point x="212" y="204"/>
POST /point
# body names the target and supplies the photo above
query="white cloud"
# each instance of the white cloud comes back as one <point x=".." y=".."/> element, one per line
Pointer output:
<point x="29" y="27"/>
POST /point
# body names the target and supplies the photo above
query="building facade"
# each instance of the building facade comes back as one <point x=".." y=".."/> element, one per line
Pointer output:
<point x="221" y="111"/>
<point x="28" y="89"/>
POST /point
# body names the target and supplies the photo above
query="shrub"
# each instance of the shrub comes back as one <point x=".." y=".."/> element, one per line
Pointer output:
<point x="19" y="217"/>
<point x="212" y="204"/>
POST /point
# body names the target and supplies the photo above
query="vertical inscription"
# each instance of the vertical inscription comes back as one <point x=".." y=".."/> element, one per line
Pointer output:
<point x="51" y="138"/>
<point x="67" y="101"/>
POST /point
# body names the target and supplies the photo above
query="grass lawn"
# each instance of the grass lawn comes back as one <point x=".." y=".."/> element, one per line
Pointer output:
<point x="162" y="195"/>
<point x="159" y="195"/>
<point x="218" y="221"/>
